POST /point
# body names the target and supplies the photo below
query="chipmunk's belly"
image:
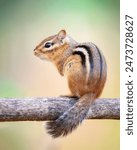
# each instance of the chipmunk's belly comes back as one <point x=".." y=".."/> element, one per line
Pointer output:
<point x="78" y="86"/>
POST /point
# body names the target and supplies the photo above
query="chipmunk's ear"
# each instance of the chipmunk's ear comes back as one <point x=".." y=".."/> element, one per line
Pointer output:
<point x="61" y="34"/>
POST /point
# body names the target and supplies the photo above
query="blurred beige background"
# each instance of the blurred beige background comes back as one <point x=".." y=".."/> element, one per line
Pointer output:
<point x="23" y="24"/>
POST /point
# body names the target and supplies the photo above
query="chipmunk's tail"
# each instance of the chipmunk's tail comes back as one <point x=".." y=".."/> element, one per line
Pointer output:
<point x="70" y="119"/>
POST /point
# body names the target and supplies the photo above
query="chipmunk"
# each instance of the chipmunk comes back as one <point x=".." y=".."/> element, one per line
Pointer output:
<point x="86" y="71"/>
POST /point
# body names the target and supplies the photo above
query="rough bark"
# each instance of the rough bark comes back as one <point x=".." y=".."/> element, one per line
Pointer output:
<point x="44" y="108"/>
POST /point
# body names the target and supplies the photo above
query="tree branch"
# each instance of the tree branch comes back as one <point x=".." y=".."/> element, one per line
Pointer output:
<point x="40" y="109"/>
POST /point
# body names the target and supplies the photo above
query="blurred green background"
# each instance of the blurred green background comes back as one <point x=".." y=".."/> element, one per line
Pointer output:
<point x="23" y="24"/>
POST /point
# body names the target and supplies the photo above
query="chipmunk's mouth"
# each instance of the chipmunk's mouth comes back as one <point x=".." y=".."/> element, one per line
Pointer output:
<point x="42" y="57"/>
<point x="36" y="54"/>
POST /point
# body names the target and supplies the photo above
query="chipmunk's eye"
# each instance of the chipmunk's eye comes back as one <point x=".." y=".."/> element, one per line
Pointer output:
<point x="48" y="44"/>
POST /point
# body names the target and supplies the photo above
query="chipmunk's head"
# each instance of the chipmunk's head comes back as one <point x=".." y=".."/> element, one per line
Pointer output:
<point x="52" y="46"/>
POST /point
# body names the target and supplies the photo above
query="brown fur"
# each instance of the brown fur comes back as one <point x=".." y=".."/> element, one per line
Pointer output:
<point x="61" y="54"/>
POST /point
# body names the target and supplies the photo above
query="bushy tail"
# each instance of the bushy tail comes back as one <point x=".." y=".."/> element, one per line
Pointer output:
<point x="70" y="119"/>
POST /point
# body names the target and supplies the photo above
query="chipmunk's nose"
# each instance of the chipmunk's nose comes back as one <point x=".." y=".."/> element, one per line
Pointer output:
<point x="34" y="49"/>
